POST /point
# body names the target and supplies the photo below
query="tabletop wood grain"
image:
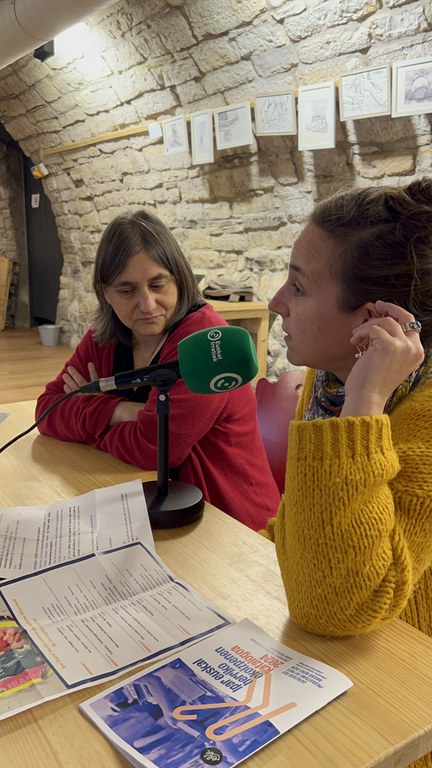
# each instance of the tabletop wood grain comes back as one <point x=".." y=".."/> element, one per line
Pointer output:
<point x="384" y="720"/>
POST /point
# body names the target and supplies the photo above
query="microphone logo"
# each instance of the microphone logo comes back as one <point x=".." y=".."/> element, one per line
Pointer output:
<point x="226" y="381"/>
<point x="214" y="334"/>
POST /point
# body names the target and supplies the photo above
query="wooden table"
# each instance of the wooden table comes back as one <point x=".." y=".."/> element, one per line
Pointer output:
<point x="252" y="315"/>
<point x="384" y="720"/>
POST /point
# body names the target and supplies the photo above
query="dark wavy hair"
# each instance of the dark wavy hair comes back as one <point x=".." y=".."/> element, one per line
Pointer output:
<point x="384" y="247"/>
<point x="127" y="235"/>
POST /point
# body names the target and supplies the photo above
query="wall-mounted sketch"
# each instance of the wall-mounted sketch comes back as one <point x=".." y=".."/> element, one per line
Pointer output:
<point x="202" y="137"/>
<point x="275" y="114"/>
<point x="365" y="93"/>
<point x="412" y="87"/>
<point x="233" y="126"/>
<point x="317" y="116"/>
<point x="154" y="129"/>
<point x="175" y="135"/>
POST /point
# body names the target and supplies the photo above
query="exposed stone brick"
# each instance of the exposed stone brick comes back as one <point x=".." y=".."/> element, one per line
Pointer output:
<point x="190" y="92"/>
<point x="173" y="30"/>
<point x="214" y="54"/>
<point x="377" y="167"/>
<point x="326" y="15"/>
<point x="398" y="25"/>
<point x="227" y="77"/>
<point x="133" y="83"/>
<point x="180" y="72"/>
<point x="286" y="8"/>
<point x="239" y="216"/>
<point x="333" y="44"/>
<point x="212" y="18"/>
<point x="272" y="62"/>
<point x="261" y="38"/>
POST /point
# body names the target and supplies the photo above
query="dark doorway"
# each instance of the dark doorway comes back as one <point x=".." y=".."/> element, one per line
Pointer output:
<point x="45" y="261"/>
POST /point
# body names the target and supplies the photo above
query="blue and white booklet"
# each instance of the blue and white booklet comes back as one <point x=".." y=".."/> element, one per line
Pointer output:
<point x="216" y="702"/>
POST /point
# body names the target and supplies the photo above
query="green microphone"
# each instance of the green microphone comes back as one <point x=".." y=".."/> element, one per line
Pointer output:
<point x="209" y="361"/>
<point x="212" y="360"/>
<point x="217" y="359"/>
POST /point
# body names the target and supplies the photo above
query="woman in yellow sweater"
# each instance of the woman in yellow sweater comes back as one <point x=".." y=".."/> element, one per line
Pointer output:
<point x="354" y="530"/>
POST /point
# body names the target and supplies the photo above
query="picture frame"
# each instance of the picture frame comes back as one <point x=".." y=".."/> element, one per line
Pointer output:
<point x="275" y="114"/>
<point x="317" y="116"/>
<point x="175" y="135"/>
<point x="202" y="137"/>
<point x="412" y="87"/>
<point x="365" y="93"/>
<point x="233" y="125"/>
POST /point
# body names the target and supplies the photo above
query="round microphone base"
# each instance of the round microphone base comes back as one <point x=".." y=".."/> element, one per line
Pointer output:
<point x="183" y="505"/>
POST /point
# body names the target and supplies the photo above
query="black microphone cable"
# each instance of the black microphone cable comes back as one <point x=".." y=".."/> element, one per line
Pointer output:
<point x="164" y="373"/>
<point x="166" y="370"/>
<point x="38" y="421"/>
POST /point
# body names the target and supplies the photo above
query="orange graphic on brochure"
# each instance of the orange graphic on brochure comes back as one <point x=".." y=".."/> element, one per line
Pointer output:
<point x="180" y="713"/>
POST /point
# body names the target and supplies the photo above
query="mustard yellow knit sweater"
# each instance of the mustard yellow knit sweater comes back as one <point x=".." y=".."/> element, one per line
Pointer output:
<point x="354" y="530"/>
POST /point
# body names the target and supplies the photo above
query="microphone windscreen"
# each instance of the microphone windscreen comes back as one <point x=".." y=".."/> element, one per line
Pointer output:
<point x="217" y="359"/>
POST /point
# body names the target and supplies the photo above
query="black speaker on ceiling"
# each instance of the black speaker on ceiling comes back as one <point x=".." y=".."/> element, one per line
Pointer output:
<point x="44" y="51"/>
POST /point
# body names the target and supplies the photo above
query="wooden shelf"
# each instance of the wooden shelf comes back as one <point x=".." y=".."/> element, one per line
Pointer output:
<point x="252" y="315"/>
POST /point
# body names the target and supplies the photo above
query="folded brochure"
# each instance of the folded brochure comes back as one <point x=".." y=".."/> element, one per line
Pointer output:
<point x="87" y="620"/>
<point x="216" y="702"/>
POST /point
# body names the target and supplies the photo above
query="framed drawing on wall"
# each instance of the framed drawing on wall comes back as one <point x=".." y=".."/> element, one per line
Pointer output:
<point x="275" y="114"/>
<point x="412" y="87"/>
<point x="202" y="137"/>
<point x="365" y="93"/>
<point x="175" y="136"/>
<point x="317" y="116"/>
<point x="233" y="126"/>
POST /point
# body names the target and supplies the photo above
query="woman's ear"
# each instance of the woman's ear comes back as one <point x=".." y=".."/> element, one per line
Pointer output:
<point x="366" y="311"/>
<point x="105" y="295"/>
<point x="371" y="309"/>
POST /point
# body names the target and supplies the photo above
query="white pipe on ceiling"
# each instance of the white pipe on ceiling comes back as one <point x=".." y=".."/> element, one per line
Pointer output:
<point x="28" y="24"/>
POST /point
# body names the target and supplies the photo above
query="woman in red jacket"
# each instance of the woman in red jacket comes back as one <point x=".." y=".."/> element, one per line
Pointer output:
<point x="148" y="300"/>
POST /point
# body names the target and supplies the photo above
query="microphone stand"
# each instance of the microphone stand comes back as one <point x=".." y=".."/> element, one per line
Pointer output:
<point x="170" y="503"/>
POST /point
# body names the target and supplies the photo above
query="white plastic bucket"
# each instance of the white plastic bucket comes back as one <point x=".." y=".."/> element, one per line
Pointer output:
<point x="49" y="334"/>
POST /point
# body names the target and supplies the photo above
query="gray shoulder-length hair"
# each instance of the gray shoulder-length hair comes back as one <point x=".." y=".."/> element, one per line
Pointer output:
<point x="127" y="235"/>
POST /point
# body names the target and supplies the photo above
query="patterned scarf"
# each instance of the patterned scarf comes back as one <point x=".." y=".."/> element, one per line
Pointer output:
<point x="328" y="392"/>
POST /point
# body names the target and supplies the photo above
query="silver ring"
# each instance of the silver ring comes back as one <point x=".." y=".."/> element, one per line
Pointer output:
<point x="413" y="325"/>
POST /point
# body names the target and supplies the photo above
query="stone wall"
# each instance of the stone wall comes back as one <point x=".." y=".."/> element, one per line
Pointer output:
<point x="12" y="232"/>
<point x="8" y="181"/>
<point x="149" y="59"/>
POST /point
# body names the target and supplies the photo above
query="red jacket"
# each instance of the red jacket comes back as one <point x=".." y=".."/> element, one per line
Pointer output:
<point x="214" y="439"/>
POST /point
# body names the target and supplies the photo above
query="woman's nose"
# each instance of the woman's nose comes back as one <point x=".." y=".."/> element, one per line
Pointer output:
<point x="146" y="301"/>
<point x="278" y="304"/>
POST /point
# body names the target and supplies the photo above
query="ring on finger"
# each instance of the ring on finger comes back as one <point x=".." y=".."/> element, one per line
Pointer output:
<point x="413" y="325"/>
